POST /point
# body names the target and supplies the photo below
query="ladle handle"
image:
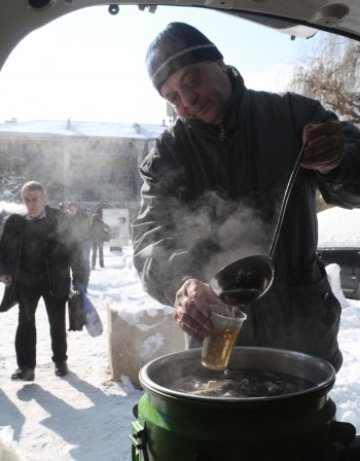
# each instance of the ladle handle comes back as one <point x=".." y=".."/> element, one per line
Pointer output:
<point x="285" y="201"/>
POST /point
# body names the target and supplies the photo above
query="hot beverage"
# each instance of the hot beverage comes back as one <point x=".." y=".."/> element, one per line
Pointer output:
<point x="218" y="346"/>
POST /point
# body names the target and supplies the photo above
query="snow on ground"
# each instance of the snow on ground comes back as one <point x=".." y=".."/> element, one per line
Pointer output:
<point x="86" y="416"/>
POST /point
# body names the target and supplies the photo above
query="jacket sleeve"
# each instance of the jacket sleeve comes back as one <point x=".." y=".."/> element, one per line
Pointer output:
<point x="342" y="186"/>
<point x="10" y="244"/>
<point x="3" y="246"/>
<point x="161" y="257"/>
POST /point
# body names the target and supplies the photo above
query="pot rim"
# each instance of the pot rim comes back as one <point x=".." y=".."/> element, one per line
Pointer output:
<point x="317" y="366"/>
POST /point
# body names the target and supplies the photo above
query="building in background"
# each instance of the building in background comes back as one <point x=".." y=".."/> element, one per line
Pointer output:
<point x="94" y="163"/>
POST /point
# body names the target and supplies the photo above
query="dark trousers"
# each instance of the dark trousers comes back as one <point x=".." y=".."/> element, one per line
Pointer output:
<point x="95" y="247"/>
<point x="25" y="339"/>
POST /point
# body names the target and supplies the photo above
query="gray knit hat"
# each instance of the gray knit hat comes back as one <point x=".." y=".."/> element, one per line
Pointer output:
<point x="177" y="46"/>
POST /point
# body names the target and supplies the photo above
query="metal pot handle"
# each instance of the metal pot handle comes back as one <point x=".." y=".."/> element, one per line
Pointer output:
<point x="138" y="439"/>
<point x="343" y="433"/>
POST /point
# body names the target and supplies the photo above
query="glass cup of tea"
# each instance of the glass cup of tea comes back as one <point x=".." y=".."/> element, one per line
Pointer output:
<point x="218" y="345"/>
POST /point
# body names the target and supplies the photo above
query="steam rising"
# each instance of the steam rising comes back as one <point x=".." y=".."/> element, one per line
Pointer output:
<point x="221" y="228"/>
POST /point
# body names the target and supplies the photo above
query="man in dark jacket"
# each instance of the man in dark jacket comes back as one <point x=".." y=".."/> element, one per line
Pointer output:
<point x="212" y="187"/>
<point x="36" y="253"/>
<point x="80" y="223"/>
<point x="99" y="232"/>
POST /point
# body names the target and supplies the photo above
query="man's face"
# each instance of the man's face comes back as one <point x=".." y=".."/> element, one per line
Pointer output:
<point x="72" y="210"/>
<point x="35" y="202"/>
<point x="199" y="91"/>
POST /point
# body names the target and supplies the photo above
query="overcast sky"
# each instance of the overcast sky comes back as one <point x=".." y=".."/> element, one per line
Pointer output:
<point x="89" y="65"/>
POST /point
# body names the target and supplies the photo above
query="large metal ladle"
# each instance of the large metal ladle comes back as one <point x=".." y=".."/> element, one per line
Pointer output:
<point x="247" y="279"/>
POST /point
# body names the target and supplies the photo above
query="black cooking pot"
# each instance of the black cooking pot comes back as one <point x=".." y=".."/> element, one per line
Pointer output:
<point x="175" y="424"/>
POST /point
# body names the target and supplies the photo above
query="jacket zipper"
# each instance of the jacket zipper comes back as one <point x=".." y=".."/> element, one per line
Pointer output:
<point x="17" y="266"/>
<point x="51" y="291"/>
<point x="222" y="135"/>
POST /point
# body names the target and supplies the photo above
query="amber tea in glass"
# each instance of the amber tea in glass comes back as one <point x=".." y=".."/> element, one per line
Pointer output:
<point x="218" y="346"/>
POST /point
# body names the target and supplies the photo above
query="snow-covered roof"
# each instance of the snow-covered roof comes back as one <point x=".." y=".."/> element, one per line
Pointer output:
<point x="75" y="128"/>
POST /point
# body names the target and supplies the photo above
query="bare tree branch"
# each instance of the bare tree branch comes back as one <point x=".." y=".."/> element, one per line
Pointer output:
<point x="331" y="74"/>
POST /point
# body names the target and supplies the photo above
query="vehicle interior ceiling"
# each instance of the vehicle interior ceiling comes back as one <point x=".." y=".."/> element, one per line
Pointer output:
<point x="20" y="17"/>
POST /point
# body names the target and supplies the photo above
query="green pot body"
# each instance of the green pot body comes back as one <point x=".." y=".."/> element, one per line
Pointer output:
<point x="173" y="426"/>
<point x="176" y="431"/>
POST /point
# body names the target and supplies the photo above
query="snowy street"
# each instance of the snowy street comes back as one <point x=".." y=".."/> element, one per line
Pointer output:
<point x="86" y="416"/>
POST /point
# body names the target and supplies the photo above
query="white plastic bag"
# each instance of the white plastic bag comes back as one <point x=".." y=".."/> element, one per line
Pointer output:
<point x="93" y="322"/>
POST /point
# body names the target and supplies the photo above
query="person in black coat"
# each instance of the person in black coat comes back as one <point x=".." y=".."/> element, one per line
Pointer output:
<point x="212" y="189"/>
<point x="99" y="232"/>
<point x="37" y="252"/>
<point x="80" y="223"/>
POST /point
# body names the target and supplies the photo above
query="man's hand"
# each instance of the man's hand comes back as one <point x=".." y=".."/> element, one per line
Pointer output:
<point x="193" y="308"/>
<point x="6" y="279"/>
<point x="324" y="149"/>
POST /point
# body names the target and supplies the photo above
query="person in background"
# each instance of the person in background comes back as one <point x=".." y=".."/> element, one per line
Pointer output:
<point x="37" y="255"/>
<point x="81" y="229"/>
<point x="212" y="188"/>
<point x="99" y="233"/>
